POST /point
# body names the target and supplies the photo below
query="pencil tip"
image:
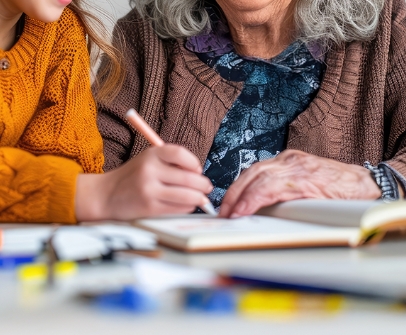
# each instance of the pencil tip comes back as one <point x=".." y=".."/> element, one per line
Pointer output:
<point x="209" y="208"/>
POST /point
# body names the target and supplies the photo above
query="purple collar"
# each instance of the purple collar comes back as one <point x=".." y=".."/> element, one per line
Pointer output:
<point x="218" y="42"/>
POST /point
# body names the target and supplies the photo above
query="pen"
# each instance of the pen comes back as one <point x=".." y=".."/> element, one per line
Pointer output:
<point x="152" y="137"/>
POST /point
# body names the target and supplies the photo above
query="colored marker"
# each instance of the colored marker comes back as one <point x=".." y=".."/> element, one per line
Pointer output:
<point x="39" y="271"/>
<point x="129" y="299"/>
<point x="11" y="262"/>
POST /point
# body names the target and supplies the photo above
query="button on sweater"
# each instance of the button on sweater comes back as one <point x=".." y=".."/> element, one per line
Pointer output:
<point x="48" y="132"/>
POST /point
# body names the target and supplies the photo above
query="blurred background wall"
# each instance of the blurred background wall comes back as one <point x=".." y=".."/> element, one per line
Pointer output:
<point x="115" y="9"/>
<point x="111" y="11"/>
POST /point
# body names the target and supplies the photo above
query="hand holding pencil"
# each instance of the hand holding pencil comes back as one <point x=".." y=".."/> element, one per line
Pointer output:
<point x="163" y="179"/>
<point x="153" y="138"/>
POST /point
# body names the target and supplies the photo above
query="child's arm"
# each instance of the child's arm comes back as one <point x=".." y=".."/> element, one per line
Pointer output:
<point x="160" y="180"/>
<point x="52" y="189"/>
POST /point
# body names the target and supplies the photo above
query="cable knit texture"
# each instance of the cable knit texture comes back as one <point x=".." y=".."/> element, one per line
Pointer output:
<point x="358" y="114"/>
<point x="48" y="132"/>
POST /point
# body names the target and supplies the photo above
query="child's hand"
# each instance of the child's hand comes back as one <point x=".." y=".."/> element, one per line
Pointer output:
<point x="161" y="180"/>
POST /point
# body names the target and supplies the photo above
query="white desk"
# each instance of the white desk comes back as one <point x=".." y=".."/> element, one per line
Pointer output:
<point x="58" y="312"/>
<point x="379" y="269"/>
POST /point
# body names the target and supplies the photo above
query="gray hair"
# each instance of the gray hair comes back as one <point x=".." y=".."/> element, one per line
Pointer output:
<point x="325" y="21"/>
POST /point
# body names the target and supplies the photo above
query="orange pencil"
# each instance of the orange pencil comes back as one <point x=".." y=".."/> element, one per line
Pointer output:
<point x="152" y="137"/>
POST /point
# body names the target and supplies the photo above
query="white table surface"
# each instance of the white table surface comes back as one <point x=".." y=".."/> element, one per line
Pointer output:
<point x="59" y="311"/>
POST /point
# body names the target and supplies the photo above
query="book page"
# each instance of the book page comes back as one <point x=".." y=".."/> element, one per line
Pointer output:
<point x="344" y="213"/>
<point x="388" y="216"/>
<point x="189" y="225"/>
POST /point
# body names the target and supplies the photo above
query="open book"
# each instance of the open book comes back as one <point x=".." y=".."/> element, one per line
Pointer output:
<point x="299" y="223"/>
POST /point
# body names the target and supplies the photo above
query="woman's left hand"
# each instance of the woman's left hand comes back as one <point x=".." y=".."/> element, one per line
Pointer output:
<point x="293" y="175"/>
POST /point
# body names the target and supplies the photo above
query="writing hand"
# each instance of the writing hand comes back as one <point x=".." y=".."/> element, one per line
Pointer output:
<point x="161" y="180"/>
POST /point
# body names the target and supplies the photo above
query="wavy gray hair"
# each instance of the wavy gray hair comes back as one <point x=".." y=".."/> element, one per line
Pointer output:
<point x="323" y="20"/>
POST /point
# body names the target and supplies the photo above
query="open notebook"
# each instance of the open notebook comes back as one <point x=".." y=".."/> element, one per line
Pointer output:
<point x="299" y="223"/>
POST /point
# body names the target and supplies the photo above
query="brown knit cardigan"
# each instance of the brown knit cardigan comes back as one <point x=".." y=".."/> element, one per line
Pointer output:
<point x="358" y="114"/>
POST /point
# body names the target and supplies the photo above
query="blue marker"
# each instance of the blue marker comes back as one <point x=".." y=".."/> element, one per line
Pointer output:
<point x="11" y="262"/>
<point x="130" y="299"/>
<point x="216" y="301"/>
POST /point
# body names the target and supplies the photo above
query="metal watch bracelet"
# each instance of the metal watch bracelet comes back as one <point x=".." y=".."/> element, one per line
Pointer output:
<point x="385" y="180"/>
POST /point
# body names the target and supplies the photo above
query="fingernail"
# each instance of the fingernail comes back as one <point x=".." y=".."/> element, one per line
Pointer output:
<point x="234" y="216"/>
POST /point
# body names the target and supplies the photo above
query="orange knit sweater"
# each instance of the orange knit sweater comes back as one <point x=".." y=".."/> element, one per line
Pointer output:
<point x="48" y="132"/>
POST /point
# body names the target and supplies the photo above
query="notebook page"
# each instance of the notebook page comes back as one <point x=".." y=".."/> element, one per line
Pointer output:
<point x="342" y="213"/>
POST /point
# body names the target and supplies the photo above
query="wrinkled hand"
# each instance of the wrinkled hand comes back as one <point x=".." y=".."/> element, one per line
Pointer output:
<point x="161" y="180"/>
<point x="294" y="175"/>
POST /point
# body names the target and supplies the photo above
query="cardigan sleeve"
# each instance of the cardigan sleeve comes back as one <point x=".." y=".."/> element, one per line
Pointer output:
<point x="395" y="98"/>
<point x="118" y="137"/>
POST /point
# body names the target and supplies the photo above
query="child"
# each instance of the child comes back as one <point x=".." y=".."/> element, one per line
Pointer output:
<point x="50" y="149"/>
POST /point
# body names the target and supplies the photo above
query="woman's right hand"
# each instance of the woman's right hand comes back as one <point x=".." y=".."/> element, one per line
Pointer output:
<point x="160" y="180"/>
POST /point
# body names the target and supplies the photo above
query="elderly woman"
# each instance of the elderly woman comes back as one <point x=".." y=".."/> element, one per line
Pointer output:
<point x="310" y="91"/>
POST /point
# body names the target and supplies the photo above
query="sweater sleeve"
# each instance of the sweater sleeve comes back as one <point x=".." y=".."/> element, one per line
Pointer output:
<point x="36" y="189"/>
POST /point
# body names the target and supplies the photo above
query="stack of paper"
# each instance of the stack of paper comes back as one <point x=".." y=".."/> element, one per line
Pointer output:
<point x="76" y="243"/>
